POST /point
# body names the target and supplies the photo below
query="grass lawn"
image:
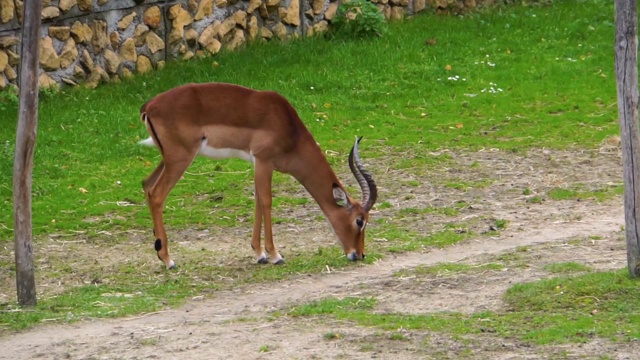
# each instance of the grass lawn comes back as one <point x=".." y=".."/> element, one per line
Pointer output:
<point x="512" y="79"/>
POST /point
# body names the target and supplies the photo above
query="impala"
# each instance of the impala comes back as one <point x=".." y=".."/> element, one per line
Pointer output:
<point x="219" y="121"/>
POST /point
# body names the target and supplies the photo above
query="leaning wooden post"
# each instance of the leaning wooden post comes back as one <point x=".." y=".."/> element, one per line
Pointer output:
<point x="627" y="84"/>
<point x="25" y="145"/>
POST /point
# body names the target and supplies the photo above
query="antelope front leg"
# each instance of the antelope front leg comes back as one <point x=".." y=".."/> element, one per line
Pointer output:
<point x="263" y="175"/>
<point x="256" y="245"/>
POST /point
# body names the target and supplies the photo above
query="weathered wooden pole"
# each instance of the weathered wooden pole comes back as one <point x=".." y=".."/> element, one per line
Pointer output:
<point x="25" y="145"/>
<point x="627" y="84"/>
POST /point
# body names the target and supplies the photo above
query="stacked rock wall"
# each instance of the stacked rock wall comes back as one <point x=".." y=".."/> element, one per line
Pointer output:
<point x="90" y="41"/>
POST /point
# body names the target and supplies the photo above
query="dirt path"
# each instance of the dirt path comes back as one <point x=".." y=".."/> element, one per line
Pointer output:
<point x="236" y="324"/>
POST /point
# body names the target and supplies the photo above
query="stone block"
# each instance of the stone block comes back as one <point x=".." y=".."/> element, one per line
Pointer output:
<point x="143" y="64"/>
<point x="124" y="23"/>
<point x="205" y="9"/>
<point x="49" y="59"/>
<point x="61" y="33"/>
<point x="81" y="32"/>
<point x="66" y="5"/>
<point x="153" y="17"/>
<point x="69" y="53"/>
<point x="127" y="50"/>
<point x="7" y="8"/>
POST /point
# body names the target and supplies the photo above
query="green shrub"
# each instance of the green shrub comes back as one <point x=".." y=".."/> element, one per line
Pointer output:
<point x="359" y="18"/>
<point x="9" y="96"/>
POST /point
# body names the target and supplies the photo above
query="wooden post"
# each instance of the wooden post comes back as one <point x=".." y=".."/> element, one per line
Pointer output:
<point x="627" y="84"/>
<point x="25" y="145"/>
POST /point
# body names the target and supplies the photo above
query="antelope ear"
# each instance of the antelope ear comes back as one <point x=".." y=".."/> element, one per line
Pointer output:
<point x="340" y="196"/>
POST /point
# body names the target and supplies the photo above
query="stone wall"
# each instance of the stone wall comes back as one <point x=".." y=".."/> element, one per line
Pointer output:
<point x="90" y="41"/>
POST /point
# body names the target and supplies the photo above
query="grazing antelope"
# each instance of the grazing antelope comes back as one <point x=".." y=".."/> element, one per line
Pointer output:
<point x="220" y="121"/>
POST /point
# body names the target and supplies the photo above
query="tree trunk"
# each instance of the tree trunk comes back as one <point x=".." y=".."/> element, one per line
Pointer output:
<point x="25" y="145"/>
<point x="627" y="84"/>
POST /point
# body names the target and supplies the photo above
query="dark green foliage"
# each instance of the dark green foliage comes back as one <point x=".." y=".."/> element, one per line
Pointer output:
<point x="359" y="18"/>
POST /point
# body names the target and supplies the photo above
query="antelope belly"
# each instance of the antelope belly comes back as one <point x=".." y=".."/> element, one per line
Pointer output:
<point x="223" y="153"/>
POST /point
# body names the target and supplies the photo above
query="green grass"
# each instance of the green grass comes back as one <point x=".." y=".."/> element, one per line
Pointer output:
<point x="568" y="309"/>
<point x="577" y="192"/>
<point x="446" y="210"/>
<point x="535" y="199"/>
<point x="567" y="268"/>
<point x="384" y="205"/>
<point x="359" y="310"/>
<point x="466" y="185"/>
<point x="577" y="308"/>
<point x="398" y="337"/>
<point x="501" y="224"/>
<point x="404" y="242"/>
<point x="520" y="78"/>
<point x="333" y="306"/>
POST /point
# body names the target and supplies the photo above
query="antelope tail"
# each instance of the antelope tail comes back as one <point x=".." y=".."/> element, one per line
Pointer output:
<point x="153" y="140"/>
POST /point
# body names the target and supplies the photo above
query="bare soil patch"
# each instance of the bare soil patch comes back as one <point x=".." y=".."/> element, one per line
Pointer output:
<point x="238" y="323"/>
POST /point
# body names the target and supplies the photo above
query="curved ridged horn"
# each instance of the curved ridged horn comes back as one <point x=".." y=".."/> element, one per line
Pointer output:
<point x="367" y="184"/>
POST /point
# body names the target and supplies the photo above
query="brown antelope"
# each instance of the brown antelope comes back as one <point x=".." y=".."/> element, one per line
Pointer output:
<point x="220" y="121"/>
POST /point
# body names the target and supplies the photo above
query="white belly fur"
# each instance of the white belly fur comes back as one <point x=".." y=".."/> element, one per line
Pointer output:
<point x="211" y="152"/>
<point x="217" y="154"/>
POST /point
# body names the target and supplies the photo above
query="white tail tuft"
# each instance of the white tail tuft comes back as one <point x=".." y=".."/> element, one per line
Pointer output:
<point x="147" y="142"/>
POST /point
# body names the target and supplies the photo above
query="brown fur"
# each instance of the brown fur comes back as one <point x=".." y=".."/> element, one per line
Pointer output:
<point x="262" y="123"/>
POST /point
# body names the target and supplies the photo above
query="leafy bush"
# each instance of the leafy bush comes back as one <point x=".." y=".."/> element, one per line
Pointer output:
<point x="359" y="18"/>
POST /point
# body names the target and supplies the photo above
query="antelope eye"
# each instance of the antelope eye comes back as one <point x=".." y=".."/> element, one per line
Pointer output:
<point x="359" y="222"/>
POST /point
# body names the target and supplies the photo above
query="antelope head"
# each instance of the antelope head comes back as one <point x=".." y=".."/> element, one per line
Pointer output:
<point x="350" y="230"/>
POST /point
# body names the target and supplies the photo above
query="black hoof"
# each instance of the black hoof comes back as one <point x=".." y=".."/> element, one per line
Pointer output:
<point x="263" y="260"/>
<point x="279" y="262"/>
